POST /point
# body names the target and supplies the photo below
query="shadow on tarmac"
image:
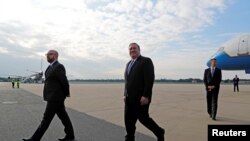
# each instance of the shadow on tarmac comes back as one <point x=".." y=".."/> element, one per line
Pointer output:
<point x="22" y="111"/>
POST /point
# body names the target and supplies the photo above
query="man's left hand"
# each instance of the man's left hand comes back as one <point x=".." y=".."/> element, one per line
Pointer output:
<point x="144" y="100"/>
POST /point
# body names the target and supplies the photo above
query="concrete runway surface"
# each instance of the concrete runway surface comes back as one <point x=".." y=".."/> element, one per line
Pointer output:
<point x="96" y="111"/>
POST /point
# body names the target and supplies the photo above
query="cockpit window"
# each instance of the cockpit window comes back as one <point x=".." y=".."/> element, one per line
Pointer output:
<point x="220" y="50"/>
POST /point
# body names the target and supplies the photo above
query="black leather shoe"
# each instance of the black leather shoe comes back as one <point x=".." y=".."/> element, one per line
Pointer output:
<point x="129" y="138"/>
<point x="67" y="139"/>
<point x="214" y="118"/>
<point x="161" y="137"/>
<point x="28" y="140"/>
<point x="210" y="115"/>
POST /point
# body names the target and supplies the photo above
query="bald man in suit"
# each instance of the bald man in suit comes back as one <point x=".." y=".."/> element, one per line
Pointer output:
<point x="56" y="89"/>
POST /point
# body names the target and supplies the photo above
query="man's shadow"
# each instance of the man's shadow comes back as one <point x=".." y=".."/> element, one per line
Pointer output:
<point x="86" y="127"/>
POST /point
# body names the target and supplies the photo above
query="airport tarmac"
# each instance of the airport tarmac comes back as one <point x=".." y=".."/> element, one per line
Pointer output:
<point x="96" y="110"/>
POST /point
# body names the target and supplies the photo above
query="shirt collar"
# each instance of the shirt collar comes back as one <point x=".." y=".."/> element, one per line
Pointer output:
<point x="135" y="58"/>
<point x="52" y="62"/>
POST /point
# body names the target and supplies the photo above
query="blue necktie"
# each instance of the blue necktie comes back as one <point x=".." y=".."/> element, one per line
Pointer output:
<point x="130" y="65"/>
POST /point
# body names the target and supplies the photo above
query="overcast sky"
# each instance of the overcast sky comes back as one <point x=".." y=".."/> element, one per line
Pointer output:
<point x="92" y="36"/>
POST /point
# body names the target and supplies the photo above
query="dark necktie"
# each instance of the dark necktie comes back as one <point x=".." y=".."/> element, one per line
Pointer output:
<point x="48" y="70"/>
<point x="213" y="69"/>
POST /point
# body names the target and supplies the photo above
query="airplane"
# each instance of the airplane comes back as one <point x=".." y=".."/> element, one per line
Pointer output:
<point x="234" y="55"/>
<point x="36" y="77"/>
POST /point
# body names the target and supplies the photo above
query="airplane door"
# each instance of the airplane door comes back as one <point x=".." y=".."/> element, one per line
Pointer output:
<point x="243" y="48"/>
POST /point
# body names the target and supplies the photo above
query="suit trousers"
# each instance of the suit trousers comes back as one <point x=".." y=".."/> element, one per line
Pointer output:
<point x="133" y="112"/>
<point x="212" y="102"/>
<point x="53" y="108"/>
<point x="236" y="86"/>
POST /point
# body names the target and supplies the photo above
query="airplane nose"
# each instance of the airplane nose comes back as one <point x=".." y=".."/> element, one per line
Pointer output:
<point x="208" y="63"/>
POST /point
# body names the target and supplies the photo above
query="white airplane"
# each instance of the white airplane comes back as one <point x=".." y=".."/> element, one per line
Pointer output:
<point x="35" y="77"/>
<point x="234" y="55"/>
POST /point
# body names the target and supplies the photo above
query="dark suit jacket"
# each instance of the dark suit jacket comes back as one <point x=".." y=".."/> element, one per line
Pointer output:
<point x="212" y="81"/>
<point x="56" y="86"/>
<point x="236" y="81"/>
<point x="139" y="82"/>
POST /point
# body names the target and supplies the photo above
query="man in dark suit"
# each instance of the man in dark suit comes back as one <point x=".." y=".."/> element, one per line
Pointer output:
<point x="212" y="78"/>
<point x="56" y="89"/>
<point x="236" y="83"/>
<point x="139" y="79"/>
